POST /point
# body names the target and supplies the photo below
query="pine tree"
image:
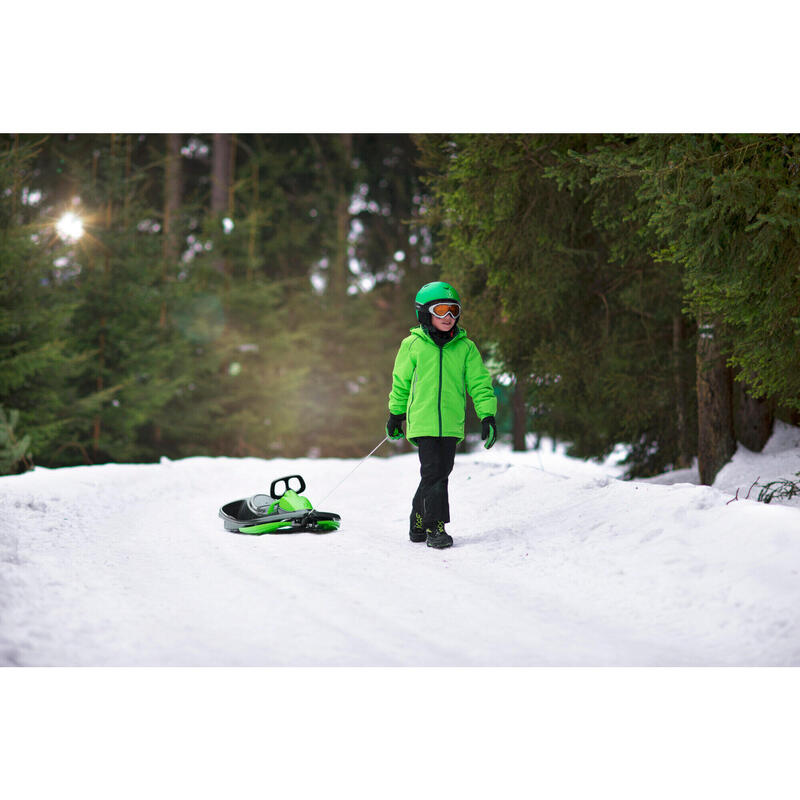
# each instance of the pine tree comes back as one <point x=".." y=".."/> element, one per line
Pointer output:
<point x="126" y="374"/>
<point x="34" y="306"/>
<point x="738" y="238"/>
<point x="725" y="209"/>
<point x="655" y="365"/>
<point x="544" y="291"/>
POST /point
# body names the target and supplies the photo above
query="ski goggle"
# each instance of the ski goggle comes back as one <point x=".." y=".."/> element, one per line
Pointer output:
<point x="441" y="310"/>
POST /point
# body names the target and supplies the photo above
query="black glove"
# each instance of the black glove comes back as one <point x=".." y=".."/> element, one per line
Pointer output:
<point x="394" y="426"/>
<point x="489" y="431"/>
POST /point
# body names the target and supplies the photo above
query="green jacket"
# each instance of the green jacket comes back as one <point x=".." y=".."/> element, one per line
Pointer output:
<point x="429" y="385"/>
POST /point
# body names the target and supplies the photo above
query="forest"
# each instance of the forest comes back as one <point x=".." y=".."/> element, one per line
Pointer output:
<point x="245" y="294"/>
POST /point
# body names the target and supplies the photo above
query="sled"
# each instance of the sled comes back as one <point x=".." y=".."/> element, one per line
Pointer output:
<point x="278" y="512"/>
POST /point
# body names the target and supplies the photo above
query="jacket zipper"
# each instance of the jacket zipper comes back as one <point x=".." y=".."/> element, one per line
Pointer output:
<point x="441" y="357"/>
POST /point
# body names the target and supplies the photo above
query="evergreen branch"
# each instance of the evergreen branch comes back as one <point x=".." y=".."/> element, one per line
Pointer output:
<point x="587" y="160"/>
<point x="15" y="451"/>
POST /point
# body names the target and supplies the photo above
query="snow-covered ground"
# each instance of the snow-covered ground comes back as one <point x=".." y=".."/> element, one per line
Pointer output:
<point x="556" y="563"/>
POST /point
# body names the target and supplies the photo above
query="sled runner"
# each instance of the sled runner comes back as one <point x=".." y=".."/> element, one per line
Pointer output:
<point x="284" y="512"/>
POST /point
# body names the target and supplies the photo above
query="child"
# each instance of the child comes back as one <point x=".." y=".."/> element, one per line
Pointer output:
<point x="434" y="368"/>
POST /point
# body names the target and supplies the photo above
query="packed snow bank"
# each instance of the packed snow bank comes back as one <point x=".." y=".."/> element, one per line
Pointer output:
<point x="556" y="563"/>
<point x="780" y="459"/>
<point x="747" y="471"/>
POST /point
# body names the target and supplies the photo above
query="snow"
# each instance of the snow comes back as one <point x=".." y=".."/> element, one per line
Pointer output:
<point x="780" y="459"/>
<point x="557" y="562"/>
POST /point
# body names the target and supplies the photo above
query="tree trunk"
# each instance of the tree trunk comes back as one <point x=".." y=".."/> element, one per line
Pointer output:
<point x="684" y="458"/>
<point x="173" y="190"/>
<point x="520" y="412"/>
<point x="716" y="441"/>
<point x="101" y="345"/>
<point x="126" y="193"/>
<point x="221" y="180"/>
<point x="339" y="267"/>
<point x="172" y="197"/>
<point x="754" y="419"/>
<point x="15" y="188"/>
<point x="253" y="218"/>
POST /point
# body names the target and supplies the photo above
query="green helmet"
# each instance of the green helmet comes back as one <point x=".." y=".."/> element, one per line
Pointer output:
<point x="430" y="293"/>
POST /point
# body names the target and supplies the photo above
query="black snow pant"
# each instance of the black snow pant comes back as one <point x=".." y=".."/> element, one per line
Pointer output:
<point x="436" y="457"/>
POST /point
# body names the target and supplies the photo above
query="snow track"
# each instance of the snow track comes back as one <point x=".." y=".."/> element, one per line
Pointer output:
<point x="556" y="563"/>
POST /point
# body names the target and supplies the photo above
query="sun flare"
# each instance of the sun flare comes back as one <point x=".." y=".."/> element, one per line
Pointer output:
<point x="70" y="227"/>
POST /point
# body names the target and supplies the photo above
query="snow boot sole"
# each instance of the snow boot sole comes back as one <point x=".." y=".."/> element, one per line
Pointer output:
<point x="439" y="540"/>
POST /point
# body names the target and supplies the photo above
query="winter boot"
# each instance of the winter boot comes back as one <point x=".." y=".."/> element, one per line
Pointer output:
<point x="417" y="531"/>
<point x="438" y="537"/>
